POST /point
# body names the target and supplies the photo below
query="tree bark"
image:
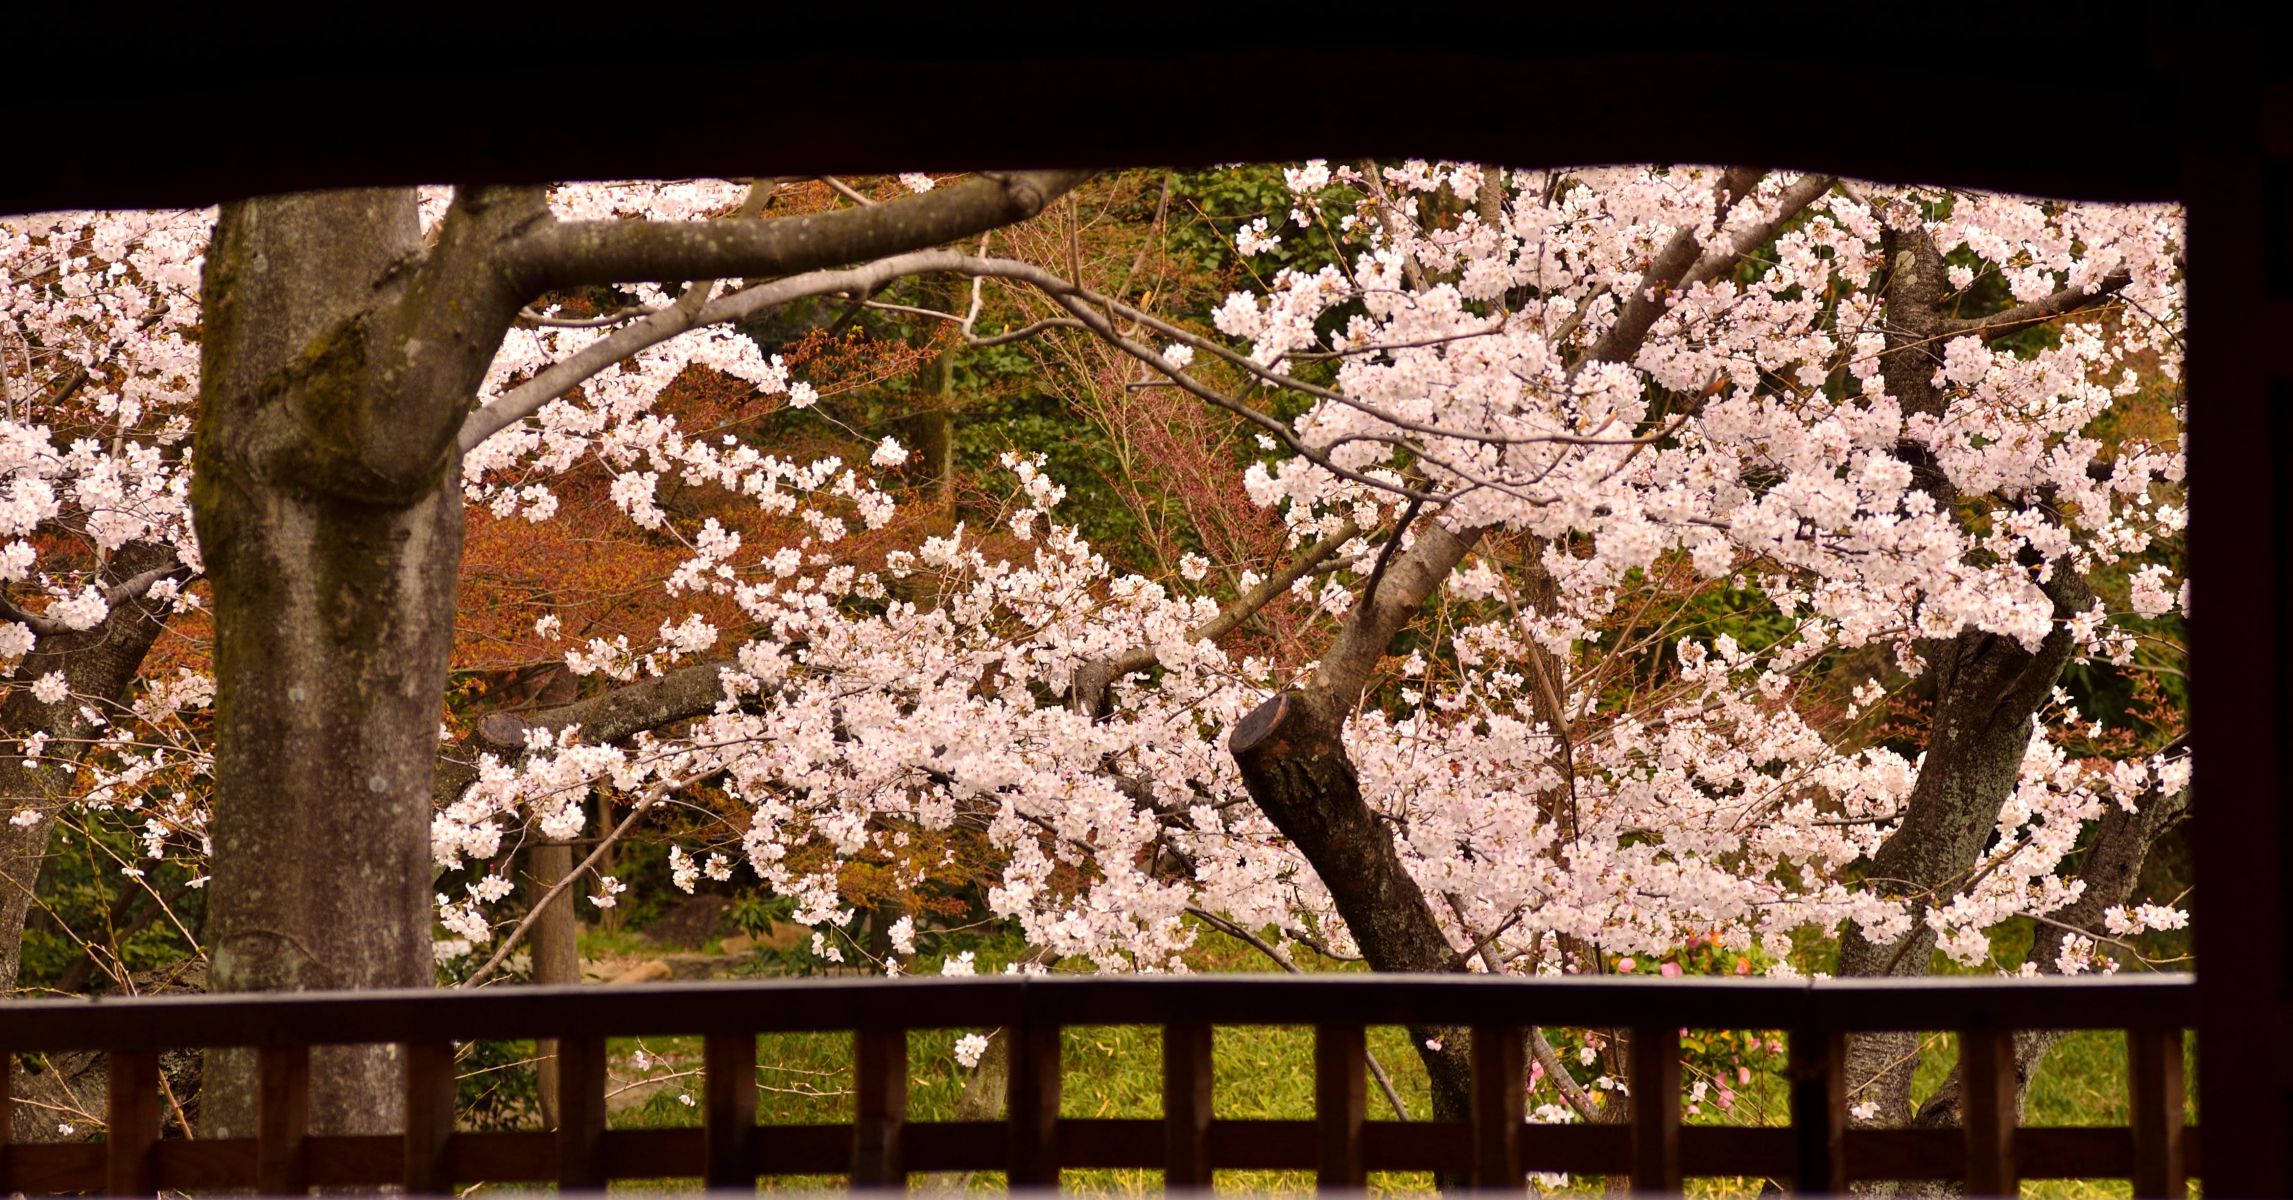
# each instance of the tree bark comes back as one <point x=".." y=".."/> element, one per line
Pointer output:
<point x="1293" y="760"/>
<point x="336" y="362"/>
<point x="1292" y="756"/>
<point x="1987" y="690"/>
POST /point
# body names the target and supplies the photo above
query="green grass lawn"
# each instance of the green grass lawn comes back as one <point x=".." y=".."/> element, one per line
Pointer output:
<point x="1260" y="1072"/>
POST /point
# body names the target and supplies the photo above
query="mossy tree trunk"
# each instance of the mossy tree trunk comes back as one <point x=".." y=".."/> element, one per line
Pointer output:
<point x="336" y="365"/>
<point x="341" y="353"/>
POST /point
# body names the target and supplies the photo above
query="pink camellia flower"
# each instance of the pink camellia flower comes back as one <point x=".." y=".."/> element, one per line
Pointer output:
<point x="1725" y="1098"/>
<point x="1624" y="965"/>
<point x="1668" y="970"/>
<point x="1743" y="1076"/>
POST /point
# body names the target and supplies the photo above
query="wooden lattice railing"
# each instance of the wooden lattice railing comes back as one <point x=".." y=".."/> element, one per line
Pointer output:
<point x="1815" y="1153"/>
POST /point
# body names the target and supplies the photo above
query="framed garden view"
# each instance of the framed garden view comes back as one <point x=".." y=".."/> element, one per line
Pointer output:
<point x="2168" y="116"/>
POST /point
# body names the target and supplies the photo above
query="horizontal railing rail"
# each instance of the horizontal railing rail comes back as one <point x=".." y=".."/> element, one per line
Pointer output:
<point x="1496" y="1147"/>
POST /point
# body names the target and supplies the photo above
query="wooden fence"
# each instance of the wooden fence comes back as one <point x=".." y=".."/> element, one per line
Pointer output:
<point x="1816" y="1153"/>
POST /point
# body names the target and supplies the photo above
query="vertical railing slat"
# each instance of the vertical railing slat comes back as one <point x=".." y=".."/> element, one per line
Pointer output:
<point x="1186" y="1106"/>
<point x="1032" y="1105"/>
<point x="1340" y="1106"/>
<point x="1818" y="1070"/>
<point x="282" y="1118"/>
<point x="728" y="1111"/>
<point x="1986" y="1108"/>
<point x="131" y="1122"/>
<point x="429" y="1117"/>
<point x="2155" y="1095"/>
<point x="7" y="1115"/>
<point x="1656" y="1110"/>
<point x="1500" y="1099"/>
<point x="879" y="1108"/>
<point x="581" y="1114"/>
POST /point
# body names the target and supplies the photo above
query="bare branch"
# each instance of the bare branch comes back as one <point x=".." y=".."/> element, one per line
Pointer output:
<point x="663" y="324"/>
<point x="630" y="709"/>
<point x="847" y="191"/>
<point x="645" y="802"/>
<point x="134" y="586"/>
<point x="574" y="254"/>
<point x="1370" y="626"/>
<point x="623" y="712"/>
<point x="38" y="624"/>
<point x="527" y="316"/>
<point x="126" y="590"/>
<point x="1376" y="1068"/>
<point x="2047" y="308"/>
<point x="1647" y="299"/>
<point x="1092" y="679"/>
<point x="1806" y="190"/>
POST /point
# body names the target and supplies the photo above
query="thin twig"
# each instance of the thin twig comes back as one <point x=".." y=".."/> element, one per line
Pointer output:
<point x="645" y="803"/>
<point x="1384" y="1083"/>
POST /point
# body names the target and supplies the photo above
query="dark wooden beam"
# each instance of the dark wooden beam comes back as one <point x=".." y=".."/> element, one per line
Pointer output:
<point x="459" y="101"/>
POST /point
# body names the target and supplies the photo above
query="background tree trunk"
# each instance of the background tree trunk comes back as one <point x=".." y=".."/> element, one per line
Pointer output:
<point x="555" y="941"/>
<point x="100" y="664"/>
<point x="1987" y="688"/>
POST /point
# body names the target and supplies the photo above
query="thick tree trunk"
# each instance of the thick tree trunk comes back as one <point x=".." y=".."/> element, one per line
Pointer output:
<point x="1987" y="690"/>
<point x="1292" y="756"/>
<point x="322" y="852"/>
<point x="328" y="507"/>
<point x="101" y="665"/>
<point x="1294" y="763"/>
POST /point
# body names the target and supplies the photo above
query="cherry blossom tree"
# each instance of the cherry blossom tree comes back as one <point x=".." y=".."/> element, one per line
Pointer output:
<point x="99" y="365"/>
<point x="1541" y="416"/>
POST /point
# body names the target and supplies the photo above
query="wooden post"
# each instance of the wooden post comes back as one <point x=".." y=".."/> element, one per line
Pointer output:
<point x="1340" y="1106"/>
<point x="132" y="1123"/>
<point x="7" y="1115"/>
<point x="555" y="939"/>
<point x="1500" y="1106"/>
<point x="1656" y="1110"/>
<point x="2236" y="149"/>
<point x="581" y="1114"/>
<point x="282" y="1118"/>
<point x="1186" y="1106"/>
<point x="879" y="1108"/>
<point x="728" y="1111"/>
<point x="429" y="1117"/>
<point x="1032" y="1106"/>
<point x="1986" y="1104"/>
<point x="2155" y="1110"/>
<point x="1818" y="1071"/>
